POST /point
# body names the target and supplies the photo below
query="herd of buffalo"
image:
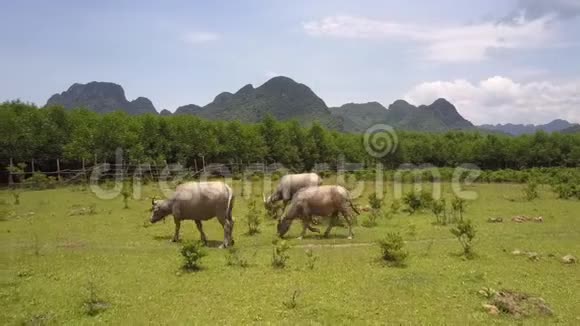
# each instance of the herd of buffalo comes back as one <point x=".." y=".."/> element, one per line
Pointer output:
<point x="201" y="201"/>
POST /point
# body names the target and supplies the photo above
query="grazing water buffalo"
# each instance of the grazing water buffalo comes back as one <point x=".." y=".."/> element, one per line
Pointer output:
<point x="327" y="201"/>
<point x="289" y="185"/>
<point x="198" y="201"/>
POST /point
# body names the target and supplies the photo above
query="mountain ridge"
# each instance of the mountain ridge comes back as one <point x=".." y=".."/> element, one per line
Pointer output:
<point x="286" y="99"/>
<point x="520" y="129"/>
<point x="101" y="97"/>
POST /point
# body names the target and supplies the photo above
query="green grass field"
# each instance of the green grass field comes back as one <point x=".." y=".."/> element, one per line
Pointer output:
<point x="48" y="257"/>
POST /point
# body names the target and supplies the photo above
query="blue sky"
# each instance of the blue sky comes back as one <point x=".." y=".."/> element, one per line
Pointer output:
<point x="497" y="60"/>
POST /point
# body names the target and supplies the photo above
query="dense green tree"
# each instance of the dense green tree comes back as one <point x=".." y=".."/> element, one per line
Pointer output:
<point x="27" y="132"/>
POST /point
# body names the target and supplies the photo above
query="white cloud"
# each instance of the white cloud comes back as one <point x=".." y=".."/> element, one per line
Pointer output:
<point x="462" y="43"/>
<point x="200" y="37"/>
<point x="500" y="99"/>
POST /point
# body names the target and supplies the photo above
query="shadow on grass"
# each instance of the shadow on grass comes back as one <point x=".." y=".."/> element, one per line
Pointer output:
<point x="162" y="237"/>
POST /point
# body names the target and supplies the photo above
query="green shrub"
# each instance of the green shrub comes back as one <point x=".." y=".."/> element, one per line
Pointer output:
<point x="465" y="233"/>
<point x="416" y="201"/>
<point x="566" y="190"/>
<point x="93" y="305"/>
<point x="374" y="202"/>
<point x="192" y="253"/>
<point x="126" y="193"/>
<point x="458" y="205"/>
<point x="40" y="181"/>
<point x="531" y="190"/>
<point x="311" y="258"/>
<point x="253" y="218"/>
<point x="16" y="196"/>
<point x="439" y="209"/>
<point x="280" y="254"/>
<point x="292" y="303"/>
<point x="392" y="249"/>
<point x="395" y="206"/>
<point x="234" y="258"/>
<point x="413" y="202"/>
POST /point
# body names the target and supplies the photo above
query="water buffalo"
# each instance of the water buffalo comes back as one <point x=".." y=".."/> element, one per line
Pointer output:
<point x="289" y="185"/>
<point x="325" y="201"/>
<point x="198" y="201"/>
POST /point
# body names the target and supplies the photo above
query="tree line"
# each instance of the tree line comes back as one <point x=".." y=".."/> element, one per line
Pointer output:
<point x="27" y="132"/>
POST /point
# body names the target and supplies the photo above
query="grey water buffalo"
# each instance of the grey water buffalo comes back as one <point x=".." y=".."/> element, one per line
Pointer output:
<point x="324" y="201"/>
<point x="289" y="185"/>
<point x="198" y="201"/>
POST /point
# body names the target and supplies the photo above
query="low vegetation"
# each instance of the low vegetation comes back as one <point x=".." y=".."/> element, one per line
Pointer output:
<point x="139" y="280"/>
<point x="280" y="254"/>
<point x="465" y="232"/>
<point x="192" y="253"/>
<point x="253" y="218"/>
<point x="393" y="249"/>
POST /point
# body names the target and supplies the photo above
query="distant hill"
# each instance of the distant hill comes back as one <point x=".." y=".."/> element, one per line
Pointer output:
<point x="101" y="97"/>
<point x="359" y="117"/>
<point x="281" y="97"/>
<point x="520" y="129"/>
<point x="286" y="99"/>
<point x="438" y="116"/>
<point x="571" y="130"/>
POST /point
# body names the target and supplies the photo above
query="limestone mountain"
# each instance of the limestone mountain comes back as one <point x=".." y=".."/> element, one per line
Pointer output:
<point x="520" y="129"/>
<point x="574" y="129"/>
<point x="438" y="116"/>
<point x="281" y="97"/>
<point x="101" y="97"/>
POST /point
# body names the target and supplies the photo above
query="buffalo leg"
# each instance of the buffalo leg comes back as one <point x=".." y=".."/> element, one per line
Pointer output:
<point x="228" y="229"/>
<point x="177" y="226"/>
<point x="348" y="220"/>
<point x="330" y="225"/>
<point x="202" y="234"/>
<point x="305" y="225"/>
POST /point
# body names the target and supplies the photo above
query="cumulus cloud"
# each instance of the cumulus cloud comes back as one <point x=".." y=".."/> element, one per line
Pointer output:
<point x="460" y="43"/>
<point x="200" y="37"/>
<point x="500" y="99"/>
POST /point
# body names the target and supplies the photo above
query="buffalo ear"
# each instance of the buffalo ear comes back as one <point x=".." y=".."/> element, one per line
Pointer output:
<point x="152" y="201"/>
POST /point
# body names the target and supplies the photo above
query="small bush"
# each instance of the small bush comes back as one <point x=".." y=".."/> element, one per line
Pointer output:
<point x="253" y="218"/>
<point x="426" y="199"/>
<point x="234" y="258"/>
<point x="566" y="191"/>
<point x="465" y="233"/>
<point x="126" y="193"/>
<point x="416" y="201"/>
<point x="392" y="249"/>
<point x="531" y="190"/>
<point x="16" y="196"/>
<point x="280" y="254"/>
<point x="40" y="181"/>
<point x="292" y="303"/>
<point x="413" y="202"/>
<point x="93" y="305"/>
<point x="311" y="259"/>
<point x="374" y="202"/>
<point x="192" y="253"/>
<point x="439" y="209"/>
<point x="395" y="206"/>
<point x="458" y="205"/>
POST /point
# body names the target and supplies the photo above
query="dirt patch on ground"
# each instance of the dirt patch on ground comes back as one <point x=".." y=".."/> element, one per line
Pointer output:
<point x="71" y="245"/>
<point x="518" y="304"/>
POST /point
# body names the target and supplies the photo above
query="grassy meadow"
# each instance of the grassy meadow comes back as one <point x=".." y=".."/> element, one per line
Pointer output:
<point x="59" y="245"/>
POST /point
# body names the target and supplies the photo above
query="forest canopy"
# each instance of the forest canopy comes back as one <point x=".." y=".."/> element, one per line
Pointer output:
<point x="27" y="132"/>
